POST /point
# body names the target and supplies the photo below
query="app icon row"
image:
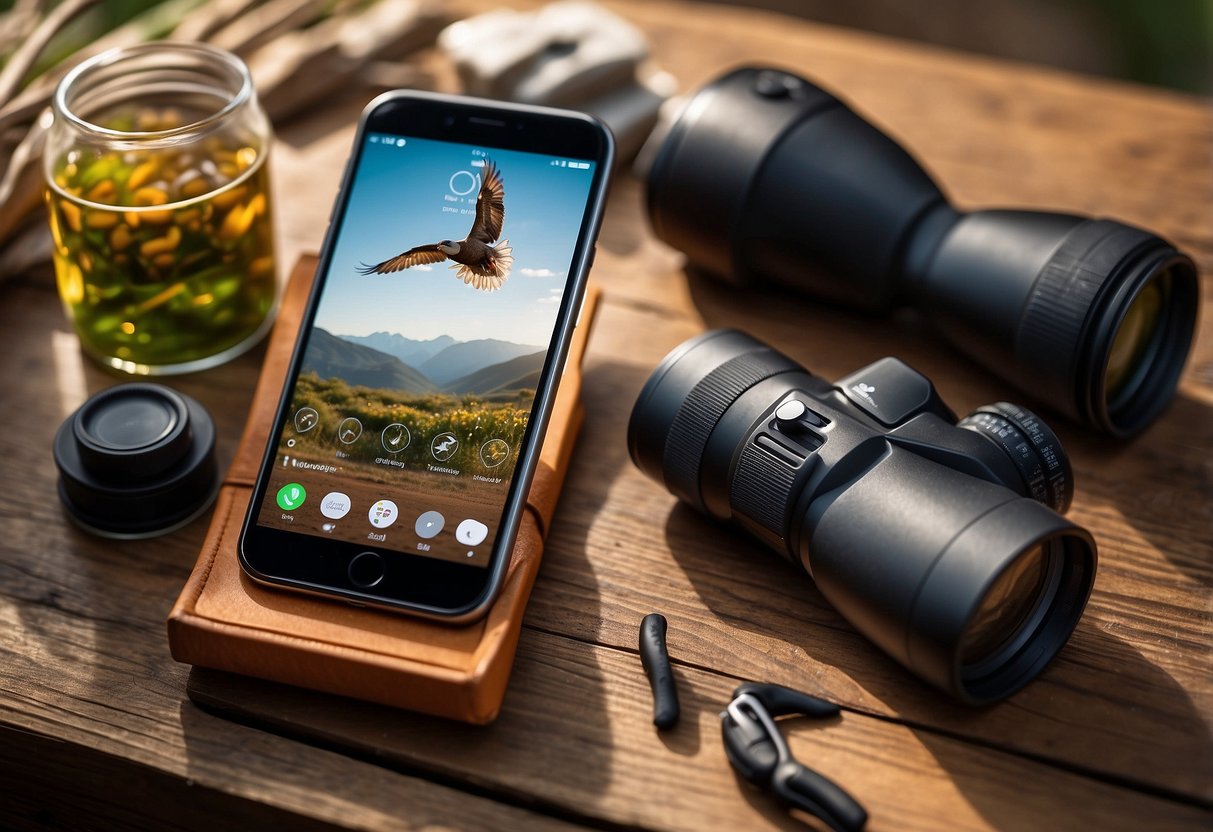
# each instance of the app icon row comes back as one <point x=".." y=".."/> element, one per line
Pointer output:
<point x="396" y="437"/>
<point x="382" y="514"/>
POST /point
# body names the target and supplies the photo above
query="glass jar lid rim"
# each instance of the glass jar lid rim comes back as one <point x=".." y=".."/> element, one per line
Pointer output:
<point x="121" y="53"/>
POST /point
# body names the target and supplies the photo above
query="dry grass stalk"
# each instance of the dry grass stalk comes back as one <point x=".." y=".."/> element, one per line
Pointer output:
<point x="24" y="107"/>
<point x="301" y="68"/>
<point x="21" y="185"/>
<point x="27" y="53"/>
<point x="18" y="22"/>
<point x="293" y="68"/>
<point x="268" y="21"/>
<point x="219" y="13"/>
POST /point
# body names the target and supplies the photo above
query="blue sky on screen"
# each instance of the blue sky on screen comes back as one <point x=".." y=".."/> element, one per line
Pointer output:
<point x="398" y="198"/>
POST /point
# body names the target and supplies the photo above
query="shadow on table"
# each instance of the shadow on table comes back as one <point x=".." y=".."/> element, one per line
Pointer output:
<point x="1160" y="482"/>
<point x="1139" y="730"/>
<point x="568" y="591"/>
<point x="89" y="610"/>
<point x="340" y="112"/>
<point x="622" y="234"/>
<point x="1100" y="707"/>
<point x="552" y="712"/>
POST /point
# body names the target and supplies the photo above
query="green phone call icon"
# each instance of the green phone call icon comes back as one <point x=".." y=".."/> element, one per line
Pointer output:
<point x="291" y="496"/>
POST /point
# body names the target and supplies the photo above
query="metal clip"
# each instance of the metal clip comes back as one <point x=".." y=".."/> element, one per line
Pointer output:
<point x="759" y="753"/>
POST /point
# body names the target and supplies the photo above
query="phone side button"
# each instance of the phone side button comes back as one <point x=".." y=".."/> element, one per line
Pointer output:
<point x="366" y="569"/>
<point x="588" y="267"/>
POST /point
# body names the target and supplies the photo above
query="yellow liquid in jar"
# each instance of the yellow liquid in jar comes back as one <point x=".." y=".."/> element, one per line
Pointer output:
<point x="164" y="256"/>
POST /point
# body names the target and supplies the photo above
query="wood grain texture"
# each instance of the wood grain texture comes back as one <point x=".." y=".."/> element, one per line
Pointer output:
<point x="1116" y="734"/>
<point x="577" y="734"/>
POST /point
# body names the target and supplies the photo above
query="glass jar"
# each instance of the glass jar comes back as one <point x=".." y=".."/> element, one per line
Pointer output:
<point x="158" y="191"/>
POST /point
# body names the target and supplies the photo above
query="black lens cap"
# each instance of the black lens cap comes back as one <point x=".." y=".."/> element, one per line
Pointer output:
<point x="136" y="460"/>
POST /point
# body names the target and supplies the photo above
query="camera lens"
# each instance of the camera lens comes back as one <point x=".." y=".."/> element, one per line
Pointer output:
<point x="1007" y="609"/>
<point x="1137" y="332"/>
<point x="1024" y="618"/>
<point x="1153" y="329"/>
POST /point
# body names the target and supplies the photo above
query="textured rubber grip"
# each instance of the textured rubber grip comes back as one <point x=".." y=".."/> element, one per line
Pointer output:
<point x="1032" y="446"/>
<point x="702" y="409"/>
<point x="762" y="489"/>
<point x="806" y="789"/>
<point x="1060" y="307"/>
<point x="656" y="661"/>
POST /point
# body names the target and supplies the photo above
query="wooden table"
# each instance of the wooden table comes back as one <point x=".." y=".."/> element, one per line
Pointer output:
<point x="96" y="729"/>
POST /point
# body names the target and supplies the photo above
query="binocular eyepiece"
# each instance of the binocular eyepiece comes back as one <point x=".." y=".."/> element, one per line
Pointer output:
<point x="941" y="541"/>
<point x="768" y="178"/>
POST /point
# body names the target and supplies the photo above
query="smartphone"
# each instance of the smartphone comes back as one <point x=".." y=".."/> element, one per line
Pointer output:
<point x="447" y="291"/>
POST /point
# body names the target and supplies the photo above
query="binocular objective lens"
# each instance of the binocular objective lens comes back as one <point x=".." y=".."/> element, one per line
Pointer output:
<point x="1131" y="351"/>
<point x="1011" y="609"/>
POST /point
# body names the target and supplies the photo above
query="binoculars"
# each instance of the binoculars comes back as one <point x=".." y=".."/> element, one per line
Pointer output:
<point x="940" y="540"/>
<point x="766" y="178"/>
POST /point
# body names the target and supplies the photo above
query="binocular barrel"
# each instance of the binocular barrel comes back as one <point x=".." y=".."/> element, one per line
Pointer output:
<point x="970" y="586"/>
<point x="768" y="178"/>
<point x="960" y="576"/>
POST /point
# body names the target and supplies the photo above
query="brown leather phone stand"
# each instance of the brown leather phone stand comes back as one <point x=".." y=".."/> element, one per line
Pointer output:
<point x="223" y="620"/>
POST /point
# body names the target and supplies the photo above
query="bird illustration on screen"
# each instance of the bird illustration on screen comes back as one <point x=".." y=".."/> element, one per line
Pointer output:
<point x="477" y="261"/>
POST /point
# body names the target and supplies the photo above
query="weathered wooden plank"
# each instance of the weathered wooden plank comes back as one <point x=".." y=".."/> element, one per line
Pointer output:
<point x="83" y="656"/>
<point x="576" y="732"/>
<point x="71" y="787"/>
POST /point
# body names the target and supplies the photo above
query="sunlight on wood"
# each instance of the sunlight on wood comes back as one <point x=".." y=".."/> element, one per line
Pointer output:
<point x="69" y="371"/>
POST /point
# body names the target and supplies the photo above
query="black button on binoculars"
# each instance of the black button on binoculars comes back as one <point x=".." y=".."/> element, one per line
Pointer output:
<point x="941" y="541"/>
<point x="768" y="178"/>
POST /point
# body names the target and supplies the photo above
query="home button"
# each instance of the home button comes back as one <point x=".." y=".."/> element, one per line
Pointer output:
<point x="366" y="569"/>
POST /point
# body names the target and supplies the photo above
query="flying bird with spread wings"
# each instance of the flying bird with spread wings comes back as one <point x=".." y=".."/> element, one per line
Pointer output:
<point x="477" y="261"/>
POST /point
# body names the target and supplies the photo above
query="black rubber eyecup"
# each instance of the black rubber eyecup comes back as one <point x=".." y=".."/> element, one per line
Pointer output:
<point x="136" y="460"/>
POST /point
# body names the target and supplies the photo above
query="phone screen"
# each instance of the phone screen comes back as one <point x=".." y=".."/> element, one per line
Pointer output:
<point x="428" y="340"/>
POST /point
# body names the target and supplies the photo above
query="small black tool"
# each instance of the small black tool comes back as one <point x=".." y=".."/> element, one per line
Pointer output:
<point x="656" y="661"/>
<point x="759" y="753"/>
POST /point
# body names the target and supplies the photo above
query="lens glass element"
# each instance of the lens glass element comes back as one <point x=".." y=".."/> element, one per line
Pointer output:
<point x="1006" y="608"/>
<point x="1136" y="333"/>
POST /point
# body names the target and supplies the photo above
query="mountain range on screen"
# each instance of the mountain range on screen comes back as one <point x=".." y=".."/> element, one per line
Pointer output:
<point x="443" y="364"/>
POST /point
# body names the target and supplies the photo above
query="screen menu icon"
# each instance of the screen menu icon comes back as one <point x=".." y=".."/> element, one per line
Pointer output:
<point x="383" y="514"/>
<point x="429" y="524"/>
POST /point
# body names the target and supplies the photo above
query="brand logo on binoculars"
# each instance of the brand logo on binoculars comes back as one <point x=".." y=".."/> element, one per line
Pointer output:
<point x="864" y="391"/>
